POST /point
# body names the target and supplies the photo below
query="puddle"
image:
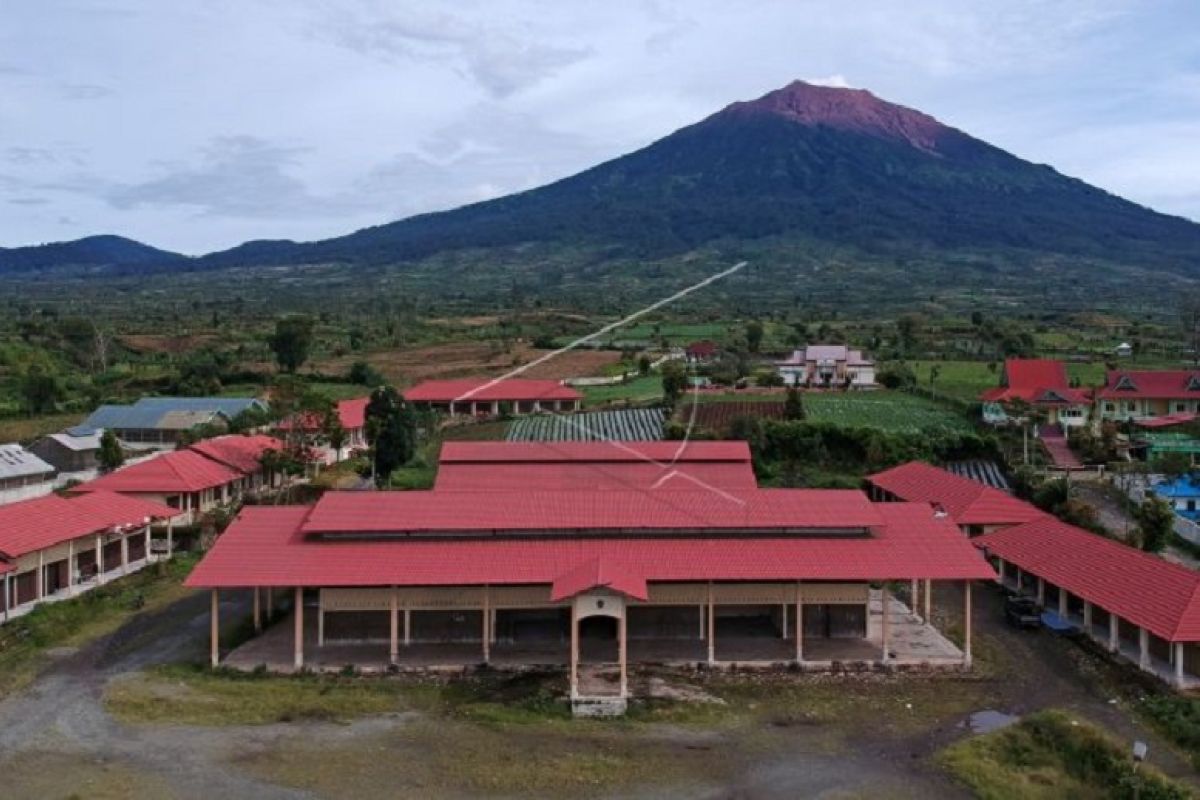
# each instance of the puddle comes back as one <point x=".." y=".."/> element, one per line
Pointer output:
<point x="989" y="720"/>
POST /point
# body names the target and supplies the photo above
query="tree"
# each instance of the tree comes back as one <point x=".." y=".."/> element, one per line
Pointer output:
<point x="110" y="455"/>
<point x="333" y="431"/>
<point x="748" y="428"/>
<point x="291" y="342"/>
<point x="793" y="406"/>
<point x="1156" y="522"/>
<point x="391" y="430"/>
<point x="644" y="365"/>
<point x="39" y="389"/>
<point x="908" y="328"/>
<point x="674" y="382"/>
<point x="754" y="335"/>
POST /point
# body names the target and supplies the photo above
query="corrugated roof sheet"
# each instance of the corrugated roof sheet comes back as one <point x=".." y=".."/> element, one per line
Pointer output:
<point x="574" y="452"/>
<point x="178" y="471"/>
<point x="966" y="501"/>
<point x="17" y="462"/>
<point x="352" y="414"/>
<point x="34" y="525"/>
<point x="1036" y="380"/>
<point x="242" y="453"/>
<point x="148" y="412"/>
<point x="1166" y="384"/>
<point x="1144" y="589"/>
<point x="266" y="546"/>
<point x="484" y="390"/>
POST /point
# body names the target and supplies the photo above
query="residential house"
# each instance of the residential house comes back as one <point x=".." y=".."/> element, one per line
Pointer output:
<point x="23" y="475"/>
<point x="159" y="422"/>
<point x="75" y="450"/>
<point x="974" y="506"/>
<point x="1044" y="386"/>
<point x="1140" y="394"/>
<point x="1183" y="494"/>
<point x="1123" y="350"/>
<point x="244" y="454"/>
<point x="352" y="414"/>
<point x="828" y="366"/>
<point x="483" y="397"/>
<point x="54" y="548"/>
<point x="701" y="352"/>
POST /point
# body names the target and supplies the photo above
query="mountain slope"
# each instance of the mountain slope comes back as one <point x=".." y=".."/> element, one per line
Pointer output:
<point x="91" y="251"/>
<point x="821" y="163"/>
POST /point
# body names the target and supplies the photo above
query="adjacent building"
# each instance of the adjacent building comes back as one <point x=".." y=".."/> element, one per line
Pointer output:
<point x="1041" y="384"/>
<point x="1146" y="394"/>
<point x="23" y="475"/>
<point x="75" y="450"/>
<point x="352" y="414"/>
<point x="828" y="366"/>
<point x="975" y="507"/>
<point x="701" y="352"/>
<point x="159" y="422"/>
<point x="53" y="548"/>
<point x="483" y="397"/>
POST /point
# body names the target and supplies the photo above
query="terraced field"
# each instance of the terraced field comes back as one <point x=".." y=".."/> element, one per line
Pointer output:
<point x="628" y="425"/>
<point x="895" y="412"/>
<point x="718" y="417"/>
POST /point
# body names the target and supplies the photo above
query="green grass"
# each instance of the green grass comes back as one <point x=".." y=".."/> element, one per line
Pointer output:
<point x="895" y="412"/>
<point x="1050" y="755"/>
<point x="26" y="429"/>
<point x="642" y="389"/>
<point x="967" y="379"/>
<point x="75" y="622"/>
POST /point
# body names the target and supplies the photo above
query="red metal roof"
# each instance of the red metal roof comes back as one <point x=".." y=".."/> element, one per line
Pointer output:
<point x="484" y="390"/>
<point x="1150" y="384"/>
<point x="1036" y="380"/>
<point x="33" y="525"/>
<point x="352" y="414"/>
<point x="599" y="466"/>
<point x="465" y="512"/>
<point x="603" y="574"/>
<point x="266" y="546"/>
<point x="243" y="453"/>
<point x="1144" y="589"/>
<point x="704" y="347"/>
<point x="177" y="471"/>
<point x="966" y="501"/>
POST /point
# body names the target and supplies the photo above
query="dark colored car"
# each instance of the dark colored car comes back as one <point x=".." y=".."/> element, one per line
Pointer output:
<point x="1022" y="612"/>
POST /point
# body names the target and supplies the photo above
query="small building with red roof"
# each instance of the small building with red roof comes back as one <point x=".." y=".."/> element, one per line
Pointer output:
<point x="1133" y="603"/>
<point x="1146" y="395"/>
<point x="352" y="414"/>
<point x="564" y="571"/>
<point x="489" y="397"/>
<point x="1041" y="383"/>
<point x="701" y="352"/>
<point x="975" y="507"/>
<point x="53" y="548"/>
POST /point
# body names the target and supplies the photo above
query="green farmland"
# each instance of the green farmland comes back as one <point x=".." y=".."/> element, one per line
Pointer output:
<point x="967" y="379"/>
<point x="895" y="412"/>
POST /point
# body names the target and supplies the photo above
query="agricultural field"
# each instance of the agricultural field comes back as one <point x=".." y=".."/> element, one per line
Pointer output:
<point x="630" y="425"/>
<point x="967" y="379"/>
<point x="717" y="418"/>
<point x="644" y="389"/>
<point x="895" y="412"/>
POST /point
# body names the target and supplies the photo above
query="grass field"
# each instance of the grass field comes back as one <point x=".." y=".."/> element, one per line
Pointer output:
<point x="26" y="429"/>
<point x="967" y="379"/>
<point x="644" y="389"/>
<point x="889" y="411"/>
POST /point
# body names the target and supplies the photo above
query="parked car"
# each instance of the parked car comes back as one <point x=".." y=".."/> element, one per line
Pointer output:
<point x="1022" y="612"/>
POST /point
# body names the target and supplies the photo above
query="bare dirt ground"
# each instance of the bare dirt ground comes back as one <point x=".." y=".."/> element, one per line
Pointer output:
<point x="57" y="740"/>
<point x="162" y="343"/>
<point x="405" y="367"/>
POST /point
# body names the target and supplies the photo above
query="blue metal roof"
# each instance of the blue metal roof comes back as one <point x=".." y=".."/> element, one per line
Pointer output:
<point x="1183" y="486"/>
<point x="148" y="411"/>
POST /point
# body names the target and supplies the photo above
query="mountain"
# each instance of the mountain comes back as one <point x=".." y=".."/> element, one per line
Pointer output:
<point x="825" y="164"/>
<point x="91" y="251"/>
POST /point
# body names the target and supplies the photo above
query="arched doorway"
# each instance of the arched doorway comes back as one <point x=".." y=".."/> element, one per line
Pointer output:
<point x="598" y="640"/>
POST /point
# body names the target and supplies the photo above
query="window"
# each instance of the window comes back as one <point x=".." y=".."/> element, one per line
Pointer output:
<point x="1110" y="407"/>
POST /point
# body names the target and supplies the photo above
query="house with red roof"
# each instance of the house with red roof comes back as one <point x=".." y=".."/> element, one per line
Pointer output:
<point x="975" y="507"/>
<point x="1149" y="395"/>
<point x="208" y="474"/>
<point x="489" y="397"/>
<point x="1134" y="604"/>
<point x="1041" y="383"/>
<point x="352" y="414"/>
<point x="596" y="555"/>
<point x="53" y="548"/>
<point x="701" y="352"/>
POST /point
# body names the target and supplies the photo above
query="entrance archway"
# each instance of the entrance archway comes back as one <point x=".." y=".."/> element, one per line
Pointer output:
<point x="598" y="640"/>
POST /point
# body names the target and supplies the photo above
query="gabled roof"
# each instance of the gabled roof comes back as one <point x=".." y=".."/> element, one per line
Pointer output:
<point x="826" y="352"/>
<point x="600" y="573"/>
<point x="1035" y="380"/>
<point x="78" y="439"/>
<point x="704" y="347"/>
<point x="1144" y="589"/>
<point x="267" y="546"/>
<point x="34" y="525"/>
<point x="352" y="414"/>
<point x="177" y="471"/>
<point x="484" y="390"/>
<point x="599" y="466"/>
<point x="966" y="501"/>
<point x="242" y="453"/>
<point x="1151" y="384"/>
<point x="17" y="462"/>
<point x="154" y="412"/>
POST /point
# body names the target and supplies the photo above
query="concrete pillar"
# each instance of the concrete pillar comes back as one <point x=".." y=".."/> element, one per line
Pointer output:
<point x="320" y="618"/>
<point x="393" y="626"/>
<point x="298" y="635"/>
<point x="1041" y="597"/>
<point x="1144" y="649"/>
<point x="1087" y="617"/>
<point x="799" y="623"/>
<point x="700" y="616"/>
<point x="622" y="654"/>
<point x="783" y="610"/>
<point x="70" y="565"/>
<point x="7" y="596"/>
<point x="884" y="597"/>
<point x="928" y="600"/>
<point x="407" y="627"/>
<point x="170" y="538"/>
<point x="1114" y="633"/>
<point x="487" y="618"/>
<point x="474" y="411"/>
<point x="495" y="408"/>
<point x="1000" y="568"/>
<point x="966" y="623"/>
<point x="257" y="611"/>
<point x="270" y="590"/>
<point x="1177" y="648"/>
<point x="40" y="578"/>
<point x="574" y="652"/>
<point x="1020" y="581"/>
<point x="215" y="630"/>
<point x="124" y="554"/>
<point x="1062" y="602"/>
<point x="914" y="595"/>
<point x="712" y="628"/>
<point x="99" y="560"/>
<point x="146" y="533"/>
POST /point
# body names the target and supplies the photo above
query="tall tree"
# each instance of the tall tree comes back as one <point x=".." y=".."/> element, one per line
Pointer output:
<point x="39" y="389"/>
<point x="793" y="406"/>
<point x="1156" y="521"/>
<point x="110" y="455"/>
<point x="754" y="335"/>
<point x="674" y="381"/>
<point x="291" y="342"/>
<point x="391" y="429"/>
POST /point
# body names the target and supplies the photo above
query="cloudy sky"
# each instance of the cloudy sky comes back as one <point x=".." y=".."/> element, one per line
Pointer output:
<point x="197" y="124"/>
